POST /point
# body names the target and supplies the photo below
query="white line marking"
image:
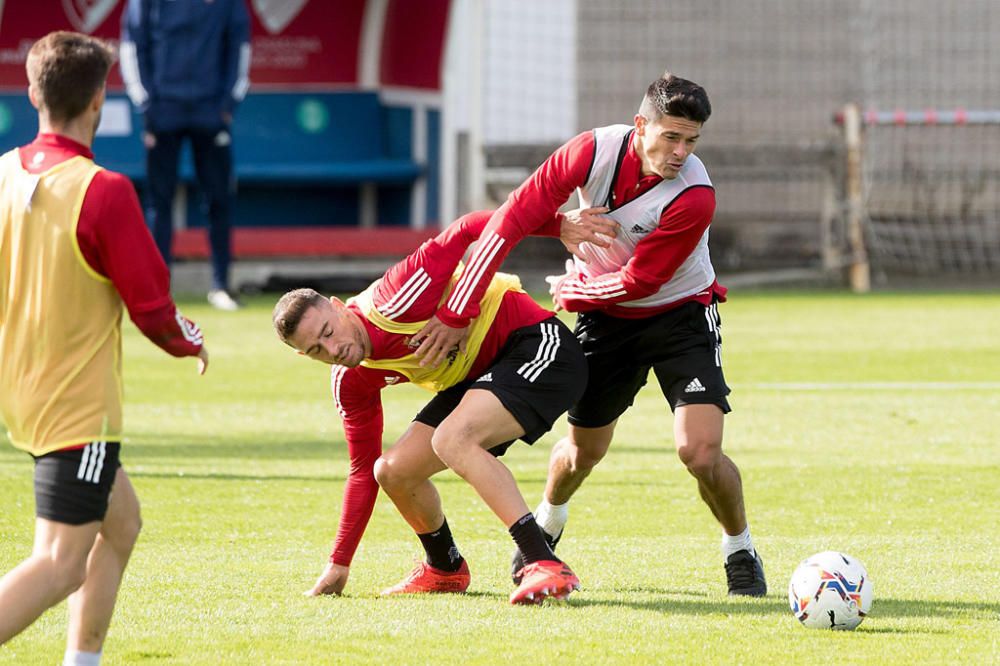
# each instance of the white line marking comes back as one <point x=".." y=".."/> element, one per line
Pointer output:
<point x="874" y="386"/>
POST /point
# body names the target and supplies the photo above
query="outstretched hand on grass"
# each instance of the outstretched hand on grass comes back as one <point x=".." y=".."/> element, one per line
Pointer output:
<point x="331" y="581"/>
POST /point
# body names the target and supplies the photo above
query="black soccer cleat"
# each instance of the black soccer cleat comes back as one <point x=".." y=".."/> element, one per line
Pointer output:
<point x="517" y="560"/>
<point x="745" y="575"/>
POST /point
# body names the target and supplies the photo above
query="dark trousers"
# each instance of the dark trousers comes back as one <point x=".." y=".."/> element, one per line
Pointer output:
<point x="213" y="165"/>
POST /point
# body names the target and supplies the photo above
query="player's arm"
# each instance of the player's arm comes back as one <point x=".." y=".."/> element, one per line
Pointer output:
<point x="237" y="62"/>
<point x="134" y="55"/>
<point x="412" y="288"/>
<point x="115" y="243"/>
<point x="657" y="257"/>
<point x="360" y="406"/>
<point x="530" y="209"/>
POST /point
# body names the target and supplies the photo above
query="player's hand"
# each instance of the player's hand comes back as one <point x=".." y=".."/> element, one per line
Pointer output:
<point x="149" y="140"/>
<point x="436" y="340"/>
<point x="586" y="225"/>
<point x="556" y="283"/>
<point x="331" y="581"/>
<point x="202" y="360"/>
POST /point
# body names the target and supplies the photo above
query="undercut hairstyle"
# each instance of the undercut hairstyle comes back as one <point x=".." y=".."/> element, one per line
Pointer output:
<point x="67" y="70"/>
<point x="671" y="95"/>
<point x="289" y="309"/>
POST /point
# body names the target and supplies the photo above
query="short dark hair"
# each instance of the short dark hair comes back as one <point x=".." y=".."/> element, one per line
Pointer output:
<point x="289" y="309"/>
<point x="68" y="69"/>
<point x="671" y="95"/>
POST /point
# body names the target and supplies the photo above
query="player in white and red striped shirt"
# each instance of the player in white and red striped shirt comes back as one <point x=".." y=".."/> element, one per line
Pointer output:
<point x="649" y="301"/>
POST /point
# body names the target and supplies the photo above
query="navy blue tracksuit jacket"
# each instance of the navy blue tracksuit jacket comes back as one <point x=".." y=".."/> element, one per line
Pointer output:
<point x="185" y="62"/>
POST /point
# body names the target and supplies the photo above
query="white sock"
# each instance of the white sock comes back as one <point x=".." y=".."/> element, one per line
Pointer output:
<point x="552" y="517"/>
<point x="78" y="658"/>
<point x="732" y="544"/>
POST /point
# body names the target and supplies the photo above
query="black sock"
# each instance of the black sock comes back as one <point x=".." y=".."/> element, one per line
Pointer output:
<point x="528" y="537"/>
<point x="442" y="553"/>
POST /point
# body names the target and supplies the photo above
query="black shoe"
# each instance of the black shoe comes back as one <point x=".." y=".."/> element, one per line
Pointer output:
<point x="745" y="575"/>
<point x="517" y="561"/>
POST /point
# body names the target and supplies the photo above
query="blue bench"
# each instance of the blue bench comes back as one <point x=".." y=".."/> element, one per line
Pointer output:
<point x="292" y="138"/>
<point x="338" y="157"/>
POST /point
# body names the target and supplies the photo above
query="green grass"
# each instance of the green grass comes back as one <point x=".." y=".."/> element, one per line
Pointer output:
<point x="240" y="474"/>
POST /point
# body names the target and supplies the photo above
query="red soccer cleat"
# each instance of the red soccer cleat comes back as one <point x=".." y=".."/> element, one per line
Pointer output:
<point x="424" y="578"/>
<point x="543" y="579"/>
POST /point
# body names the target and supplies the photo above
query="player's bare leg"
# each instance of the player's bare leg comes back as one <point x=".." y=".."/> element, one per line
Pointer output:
<point x="57" y="566"/>
<point x="573" y="457"/>
<point x="462" y="442"/>
<point x="404" y="473"/>
<point x="92" y="605"/>
<point x="698" y="438"/>
<point x="479" y="422"/>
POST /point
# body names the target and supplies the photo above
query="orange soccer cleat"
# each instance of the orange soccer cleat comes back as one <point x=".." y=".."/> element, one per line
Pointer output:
<point x="543" y="579"/>
<point x="424" y="578"/>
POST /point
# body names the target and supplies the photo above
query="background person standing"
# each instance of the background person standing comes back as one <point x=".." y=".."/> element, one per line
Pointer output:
<point x="186" y="67"/>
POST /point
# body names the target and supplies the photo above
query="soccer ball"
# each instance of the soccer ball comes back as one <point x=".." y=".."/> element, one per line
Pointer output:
<point x="830" y="590"/>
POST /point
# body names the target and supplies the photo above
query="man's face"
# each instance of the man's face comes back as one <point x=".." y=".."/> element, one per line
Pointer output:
<point x="665" y="143"/>
<point x="331" y="333"/>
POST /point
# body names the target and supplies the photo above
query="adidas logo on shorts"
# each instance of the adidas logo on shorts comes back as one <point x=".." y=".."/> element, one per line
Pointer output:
<point x="488" y="377"/>
<point x="695" y="386"/>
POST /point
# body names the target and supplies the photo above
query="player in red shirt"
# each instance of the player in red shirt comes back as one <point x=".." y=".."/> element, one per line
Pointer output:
<point x="65" y="271"/>
<point x="649" y="301"/>
<point x="519" y="369"/>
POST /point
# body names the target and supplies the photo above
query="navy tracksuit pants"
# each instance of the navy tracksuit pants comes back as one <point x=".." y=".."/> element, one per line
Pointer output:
<point x="213" y="164"/>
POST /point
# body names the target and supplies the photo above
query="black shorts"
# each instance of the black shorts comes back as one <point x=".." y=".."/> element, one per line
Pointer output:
<point x="537" y="375"/>
<point x="73" y="485"/>
<point x="683" y="346"/>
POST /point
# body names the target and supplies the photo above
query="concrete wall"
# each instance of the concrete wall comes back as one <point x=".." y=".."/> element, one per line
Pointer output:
<point x="776" y="71"/>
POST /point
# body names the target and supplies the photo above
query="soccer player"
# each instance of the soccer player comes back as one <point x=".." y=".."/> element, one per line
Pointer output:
<point x="647" y="302"/>
<point x="518" y="370"/>
<point x="73" y="248"/>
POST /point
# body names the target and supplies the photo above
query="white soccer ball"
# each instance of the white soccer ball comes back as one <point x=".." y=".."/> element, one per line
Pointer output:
<point x="830" y="590"/>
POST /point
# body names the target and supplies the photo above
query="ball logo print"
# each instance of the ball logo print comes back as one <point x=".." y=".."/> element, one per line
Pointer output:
<point x="277" y="14"/>
<point x="87" y="15"/>
<point x="830" y="590"/>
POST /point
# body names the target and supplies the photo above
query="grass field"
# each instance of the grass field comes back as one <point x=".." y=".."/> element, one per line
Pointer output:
<point x="862" y="424"/>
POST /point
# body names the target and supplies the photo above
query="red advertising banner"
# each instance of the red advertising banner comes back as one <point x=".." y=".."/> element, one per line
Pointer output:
<point x="296" y="43"/>
<point x="21" y="23"/>
<point x="413" y="42"/>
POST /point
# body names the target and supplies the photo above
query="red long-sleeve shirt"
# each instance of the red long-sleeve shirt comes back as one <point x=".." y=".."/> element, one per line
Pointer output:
<point x="409" y="292"/>
<point x="115" y="242"/>
<point x="532" y="205"/>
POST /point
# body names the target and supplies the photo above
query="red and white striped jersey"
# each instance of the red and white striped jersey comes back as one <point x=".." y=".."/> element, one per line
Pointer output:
<point x="598" y="279"/>
<point x="641" y="272"/>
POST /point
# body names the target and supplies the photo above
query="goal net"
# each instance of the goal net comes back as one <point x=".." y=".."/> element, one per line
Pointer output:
<point x="931" y="113"/>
